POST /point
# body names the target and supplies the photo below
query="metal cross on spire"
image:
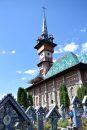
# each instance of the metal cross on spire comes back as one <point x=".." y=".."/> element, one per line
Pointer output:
<point x="44" y="9"/>
<point x="44" y="27"/>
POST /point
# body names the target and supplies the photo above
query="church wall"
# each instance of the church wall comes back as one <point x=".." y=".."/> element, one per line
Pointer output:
<point x="51" y="93"/>
<point x="47" y="94"/>
<point x="84" y="77"/>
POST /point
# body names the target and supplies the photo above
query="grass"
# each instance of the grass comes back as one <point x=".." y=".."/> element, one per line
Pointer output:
<point x="63" y="123"/>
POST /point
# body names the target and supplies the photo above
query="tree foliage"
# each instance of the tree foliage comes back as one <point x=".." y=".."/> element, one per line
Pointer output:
<point x="64" y="98"/>
<point x="30" y="100"/>
<point x="22" y="97"/>
<point x="81" y="92"/>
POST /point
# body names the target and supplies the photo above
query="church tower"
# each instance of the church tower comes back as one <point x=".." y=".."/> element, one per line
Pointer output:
<point x="45" y="48"/>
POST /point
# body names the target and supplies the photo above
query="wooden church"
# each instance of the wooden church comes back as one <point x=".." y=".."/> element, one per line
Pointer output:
<point x="69" y="70"/>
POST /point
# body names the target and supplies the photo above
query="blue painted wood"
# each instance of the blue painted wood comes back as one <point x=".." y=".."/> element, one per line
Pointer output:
<point x="85" y="111"/>
<point x="76" y="112"/>
<point x="62" y="108"/>
<point x="12" y="115"/>
<point x="84" y="103"/>
<point x="54" y="115"/>
<point x="31" y="113"/>
<point x="40" y="118"/>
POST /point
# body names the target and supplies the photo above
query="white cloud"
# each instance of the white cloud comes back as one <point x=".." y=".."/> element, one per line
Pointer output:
<point x="77" y="55"/>
<point x="71" y="47"/>
<point x="23" y="78"/>
<point x="55" y="52"/>
<point x="13" y="52"/>
<point x="84" y="47"/>
<point x="19" y="72"/>
<point x="3" y="52"/>
<point x="54" y="60"/>
<point x="2" y="96"/>
<point x="83" y="30"/>
<point x="7" y="52"/>
<point x="30" y="71"/>
<point x="59" y="50"/>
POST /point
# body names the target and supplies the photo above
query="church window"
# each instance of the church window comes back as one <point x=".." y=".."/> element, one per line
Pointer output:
<point x="51" y="98"/>
<point x="37" y="101"/>
<point x="43" y="99"/>
<point x="71" y="92"/>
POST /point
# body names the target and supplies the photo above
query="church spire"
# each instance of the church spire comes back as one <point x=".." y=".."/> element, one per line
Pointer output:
<point x="45" y="48"/>
<point x="44" y="26"/>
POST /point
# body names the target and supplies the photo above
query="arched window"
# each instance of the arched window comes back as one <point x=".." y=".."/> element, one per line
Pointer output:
<point x="71" y="92"/>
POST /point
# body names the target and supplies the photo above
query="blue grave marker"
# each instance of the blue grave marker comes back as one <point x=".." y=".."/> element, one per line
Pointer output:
<point x="76" y="112"/>
<point x="53" y="115"/>
<point x="40" y="117"/>
<point x="62" y="108"/>
<point x="31" y="113"/>
<point x="84" y="102"/>
<point x="12" y="116"/>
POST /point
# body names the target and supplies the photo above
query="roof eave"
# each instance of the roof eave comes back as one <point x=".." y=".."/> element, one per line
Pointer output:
<point x="77" y="66"/>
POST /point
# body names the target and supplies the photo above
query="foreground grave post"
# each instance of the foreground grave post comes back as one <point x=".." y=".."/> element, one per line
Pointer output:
<point x="84" y="102"/>
<point x="76" y="113"/>
<point x="54" y="115"/>
<point x="12" y="116"/>
<point x="40" y="117"/>
<point x="62" y="111"/>
<point x="32" y="115"/>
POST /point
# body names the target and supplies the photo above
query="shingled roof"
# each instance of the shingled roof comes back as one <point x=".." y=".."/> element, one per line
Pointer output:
<point x="67" y="61"/>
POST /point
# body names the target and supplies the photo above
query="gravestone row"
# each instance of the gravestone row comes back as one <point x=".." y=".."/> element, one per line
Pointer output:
<point x="14" y="117"/>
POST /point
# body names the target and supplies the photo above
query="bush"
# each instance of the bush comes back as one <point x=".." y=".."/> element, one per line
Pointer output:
<point x="64" y="98"/>
<point x="84" y="123"/>
<point x="81" y="92"/>
<point x="47" y="126"/>
<point x="62" y="123"/>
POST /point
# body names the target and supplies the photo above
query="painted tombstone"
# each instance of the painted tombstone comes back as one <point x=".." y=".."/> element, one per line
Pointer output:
<point x="40" y="117"/>
<point x="31" y="113"/>
<point x="84" y="102"/>
<point x="76" y="112"/>
<point x="12" y="114"/>
<point x="53" y="115"/>
<point x="62" y="111"/>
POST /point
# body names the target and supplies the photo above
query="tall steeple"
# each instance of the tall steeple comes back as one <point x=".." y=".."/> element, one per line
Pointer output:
<point x="44" y="26"/>
<point x="45" y="48"/>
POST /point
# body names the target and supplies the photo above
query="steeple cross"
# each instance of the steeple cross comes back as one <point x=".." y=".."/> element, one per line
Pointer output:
<point x="44" y="9"/>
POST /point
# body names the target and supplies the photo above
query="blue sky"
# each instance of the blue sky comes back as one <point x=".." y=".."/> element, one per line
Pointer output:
<point x="20" y="26"/>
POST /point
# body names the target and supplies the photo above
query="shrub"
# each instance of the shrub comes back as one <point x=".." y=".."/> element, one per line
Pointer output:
<point x="64" y="98"/>
<point x="84" y="123"/>
<point x="81" y="92"/>
<point x="62" y="123"/>
<point x="47" y="126"/>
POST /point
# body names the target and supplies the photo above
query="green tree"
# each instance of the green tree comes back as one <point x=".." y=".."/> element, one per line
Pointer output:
<point x="30" y="100"/>
<point x="81" y="92"/>
<point x="22" y="97"/>
<point x="64" y="98"/>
